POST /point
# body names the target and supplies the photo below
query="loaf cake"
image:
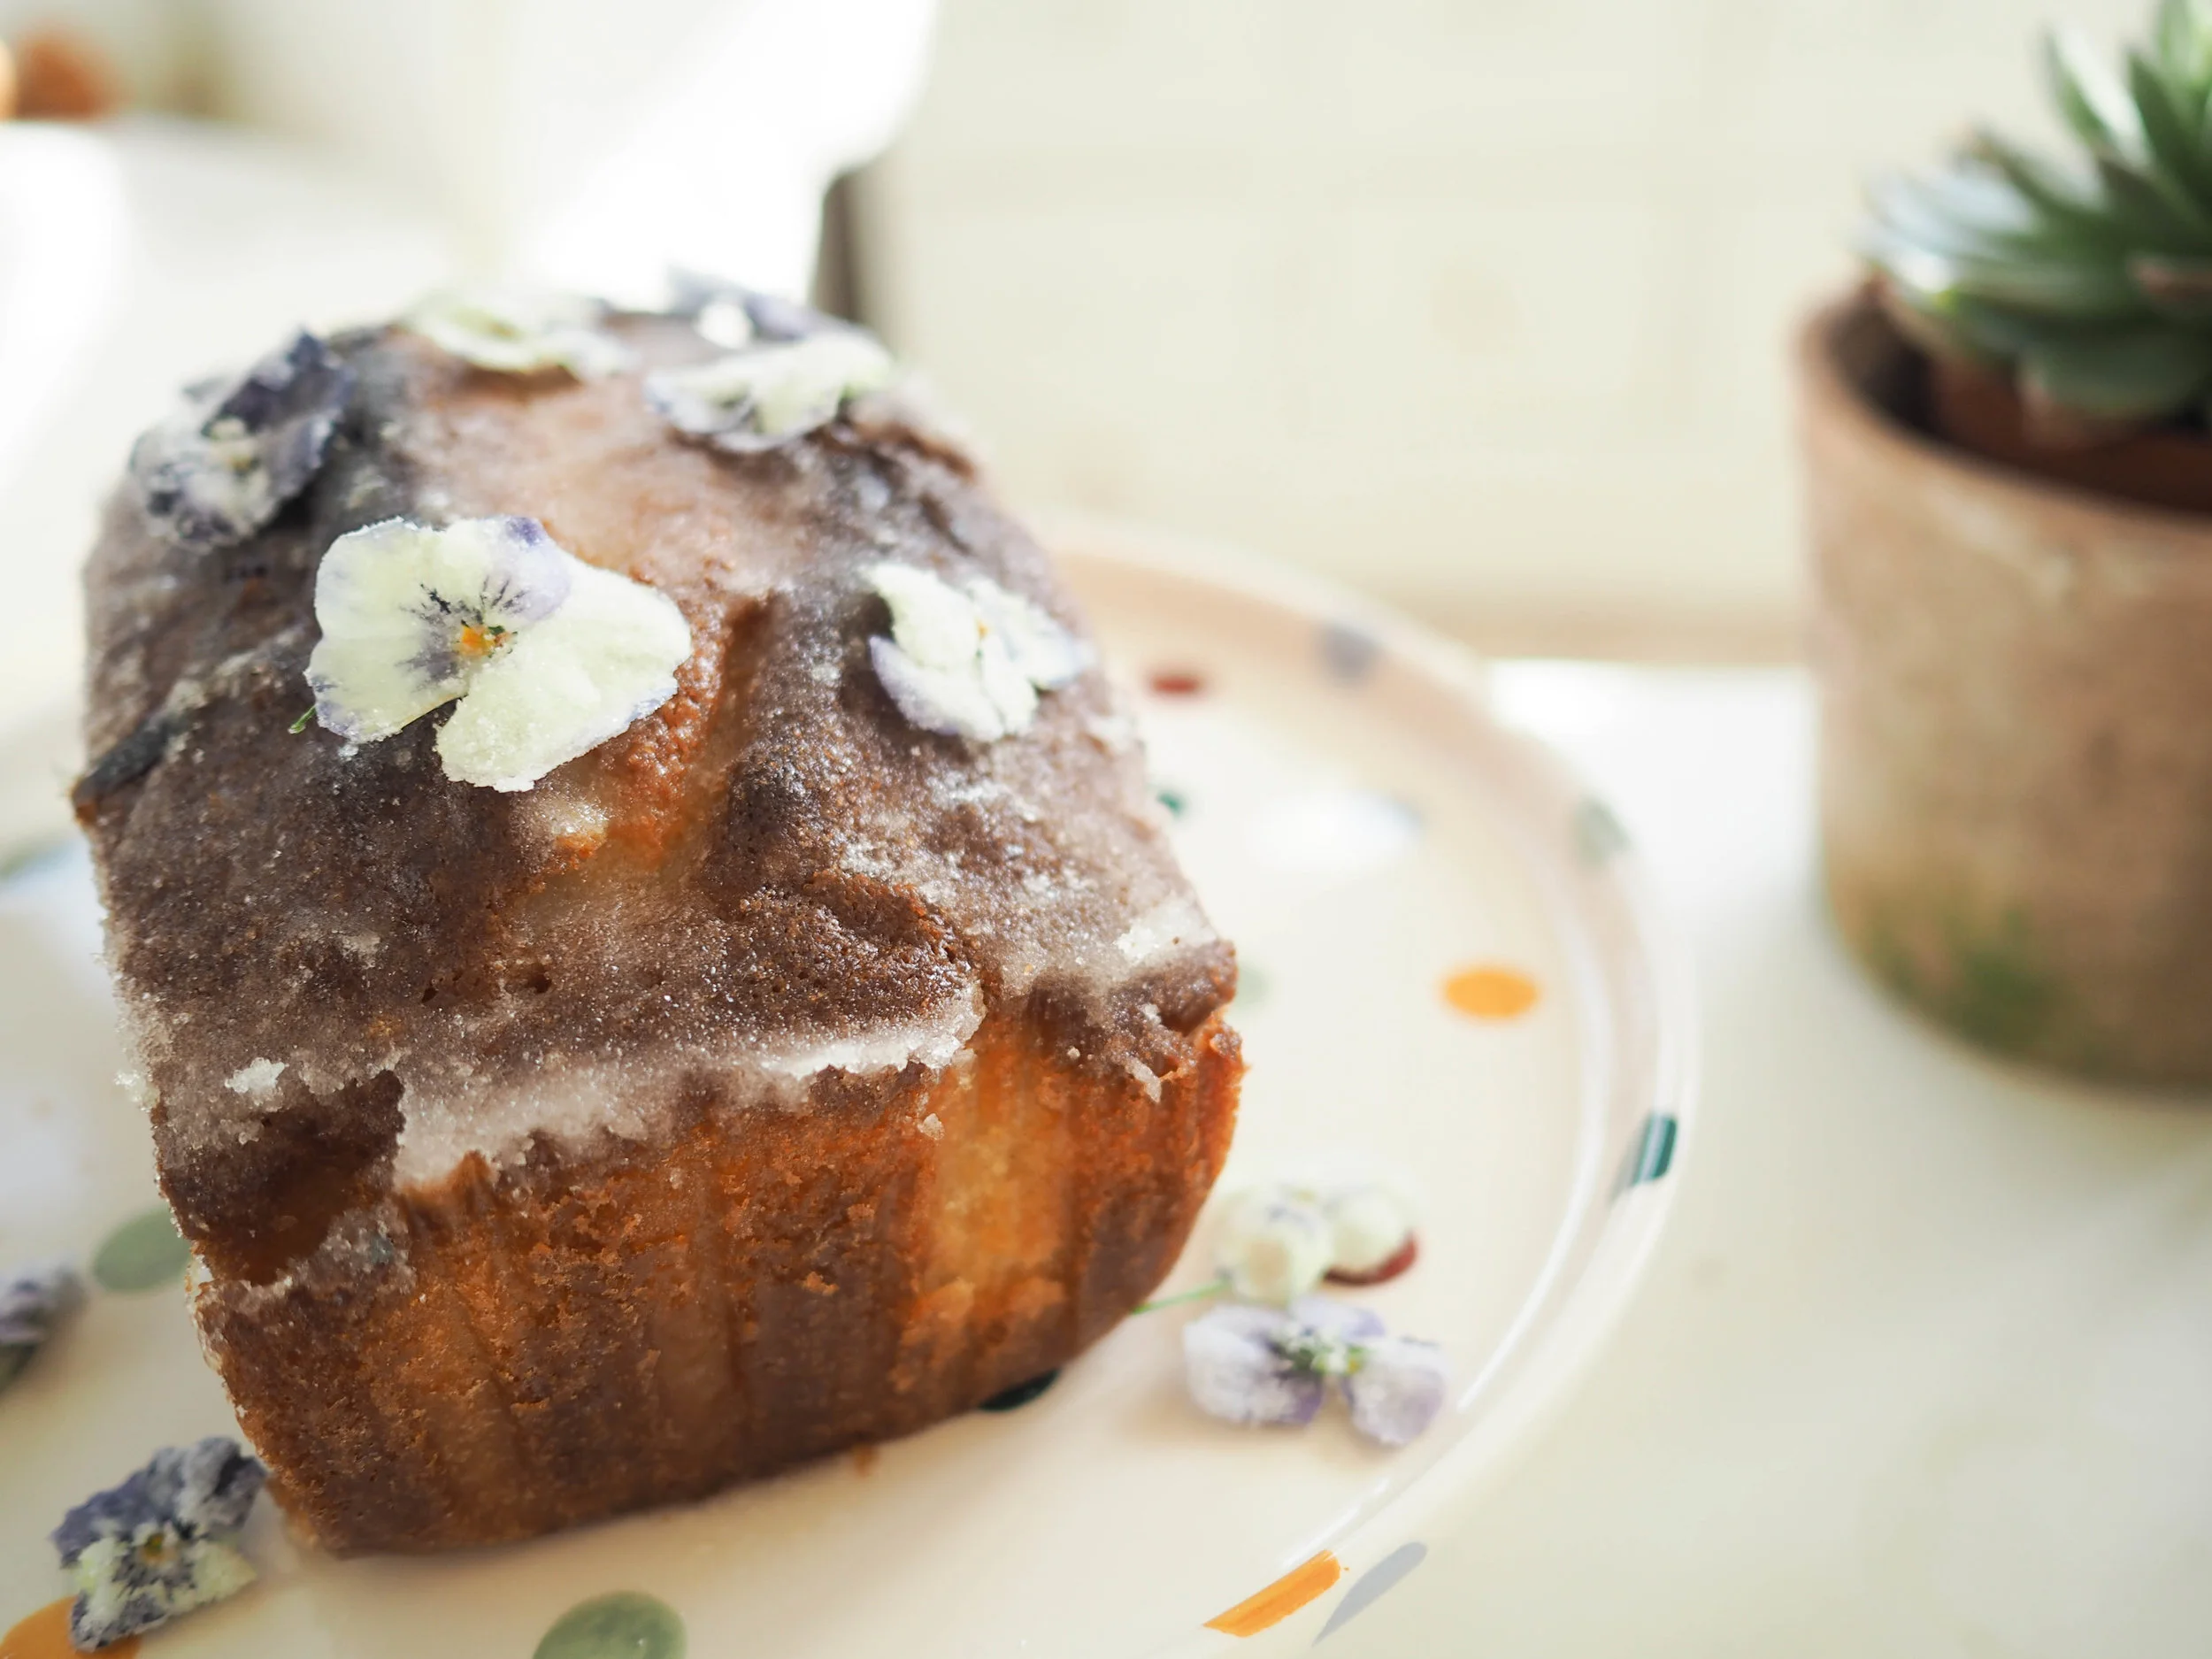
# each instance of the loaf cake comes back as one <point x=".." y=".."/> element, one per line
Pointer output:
<point x="805" y="1057"/>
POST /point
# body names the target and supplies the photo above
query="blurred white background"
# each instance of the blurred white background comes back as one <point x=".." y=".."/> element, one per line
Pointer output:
<point x="1480" y="303"/>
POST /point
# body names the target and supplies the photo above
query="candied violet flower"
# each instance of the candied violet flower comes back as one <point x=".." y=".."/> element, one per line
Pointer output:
<point x="732" y="315"/>
<point x="1234" y="1362"/>
<point x="220" y="468"/>
<point x="520" y="330"/>
<point x="1277" y="1242"/>
<point x="1397" y="1389"/>
<point x="33" y="1301"/>
<point x="161" y="1543"/>
<point x="547" y="657"/>
<point x="769" y="394"/>
<point x="967" y="662"/>
<point x="1272" y="1365"/>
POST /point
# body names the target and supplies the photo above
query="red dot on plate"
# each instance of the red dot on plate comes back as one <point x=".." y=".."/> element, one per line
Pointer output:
<point x="1176" y="682"/>
<point x="1383" y="1272"/>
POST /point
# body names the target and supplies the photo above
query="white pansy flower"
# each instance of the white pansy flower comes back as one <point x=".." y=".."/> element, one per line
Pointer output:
<point x="1277" y="1242"/>
<point x="1370" y="1229"/>
<point x="520" y="330"/>
<point x="967" y="662"/>
<point x="771" y="393"/>
<point x="546" y="656"/>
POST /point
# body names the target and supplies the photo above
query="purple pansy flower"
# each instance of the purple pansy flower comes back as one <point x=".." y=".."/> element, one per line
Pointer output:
<point x="1273" y="1365"/>
<point x="33" y="1301"/>
<point x="224" y="466"/>
<point x="163" y="1542"/>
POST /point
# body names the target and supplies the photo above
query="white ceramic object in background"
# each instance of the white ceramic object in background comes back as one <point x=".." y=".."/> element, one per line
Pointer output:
<point x="134" y="256"/>
<point x="1367" y="833"/>
<point x="585" y="144"/>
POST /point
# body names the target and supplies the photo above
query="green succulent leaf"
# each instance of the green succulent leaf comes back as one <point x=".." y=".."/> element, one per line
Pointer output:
<point x="2183" y="38"/>
<point x="2163" y="216"/>
<point x="2123" y="377"/>
<point x="2085" y="288"/>
<point x="2093" y="284"/>
<point x="2172" y="130"/>
<point x="1962" y="211"/>
<point x="1952" y="325"/>
<point x="2070" y="200"/>
<point x="2092" y="102"/>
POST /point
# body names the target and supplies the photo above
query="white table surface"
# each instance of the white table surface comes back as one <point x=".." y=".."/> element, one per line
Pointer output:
<point x="1924" y="1364"/>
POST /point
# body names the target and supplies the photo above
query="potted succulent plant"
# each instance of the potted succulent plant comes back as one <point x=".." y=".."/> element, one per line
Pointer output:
<point x="2009" y="483"/>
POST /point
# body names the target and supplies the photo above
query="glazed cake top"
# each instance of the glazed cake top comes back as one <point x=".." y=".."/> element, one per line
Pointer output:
<point x="776" y="879"/>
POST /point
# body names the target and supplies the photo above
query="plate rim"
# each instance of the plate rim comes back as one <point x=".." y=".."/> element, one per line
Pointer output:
<point x="1585" y="1315"/>
<point x="1588" y="1314"/>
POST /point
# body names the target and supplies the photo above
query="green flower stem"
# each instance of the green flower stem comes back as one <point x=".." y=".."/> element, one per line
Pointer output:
<point x="1213" y="1287"/>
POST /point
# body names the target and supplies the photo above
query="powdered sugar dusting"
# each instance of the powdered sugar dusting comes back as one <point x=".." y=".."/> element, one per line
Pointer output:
<point x="775" y="879"/>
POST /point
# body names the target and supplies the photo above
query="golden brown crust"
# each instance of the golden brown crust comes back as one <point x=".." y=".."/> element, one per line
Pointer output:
<point x="577" y="1339"/>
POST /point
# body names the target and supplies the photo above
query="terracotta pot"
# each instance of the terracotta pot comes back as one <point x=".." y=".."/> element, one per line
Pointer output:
<point x="1980" y="411"/>
<point x="2015" y="683"/>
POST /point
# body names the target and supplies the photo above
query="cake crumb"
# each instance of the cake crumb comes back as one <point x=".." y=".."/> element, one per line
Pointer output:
<point x="256" y="1080"/>
<point x="931" y="1126"/>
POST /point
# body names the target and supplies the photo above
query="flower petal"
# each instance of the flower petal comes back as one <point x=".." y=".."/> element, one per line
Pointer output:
<point x="1398" y="1388"/>
<point x="33" y="1301"/>
<point x="204" y="1490"/>
<point x="1233" y="1371"/>
<point x="1043" y="652"/>
<point x="1339" y="1321"/>
<point x="521" y="330"/>
<point x="1368" y="1225"/>
<point x="126" y="1585"/>
<point x="603" y="660"/>
<point x="1009" y="689"/>
<point x="952" y="704"/>
<point x="768" y="395"/>
<point x="1274" y="1244"/>
<point x="933" y="622"/>
<point x="224" y="466"/>
<point x="393" y="599"/>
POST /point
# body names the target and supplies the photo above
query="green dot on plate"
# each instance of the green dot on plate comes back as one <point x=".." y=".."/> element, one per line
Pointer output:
<point x="624" y="1626"/>
<point x="145" y="1253"/>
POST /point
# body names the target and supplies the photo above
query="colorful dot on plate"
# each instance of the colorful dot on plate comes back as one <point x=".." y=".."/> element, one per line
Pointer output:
<point x="145" y="1253"/>
<point x="623" y="1626"/>
<point x="1350" y="652"/>
<point x="1483" y="991"/>
<point x="1272" y="1605"/>
<point x="1020" y="1395"/>
<point x="1174" y="800"/>
<point x="1369" y="1586"/>
<point x="1598" y="833"/>
<point x="1176" y="682"/>
<point x="1652" y="1154"/>
<point x="45" y="1635"/>
<point x="1254" y="987"/>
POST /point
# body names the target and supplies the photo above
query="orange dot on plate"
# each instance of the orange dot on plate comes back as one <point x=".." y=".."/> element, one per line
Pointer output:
<point x="45" y="1635"/>
<point x="1272" y="1605"/>
<point x="1490" y="993"/>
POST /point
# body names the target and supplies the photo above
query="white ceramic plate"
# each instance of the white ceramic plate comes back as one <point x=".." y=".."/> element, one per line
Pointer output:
<point x="1453" y="978"/>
